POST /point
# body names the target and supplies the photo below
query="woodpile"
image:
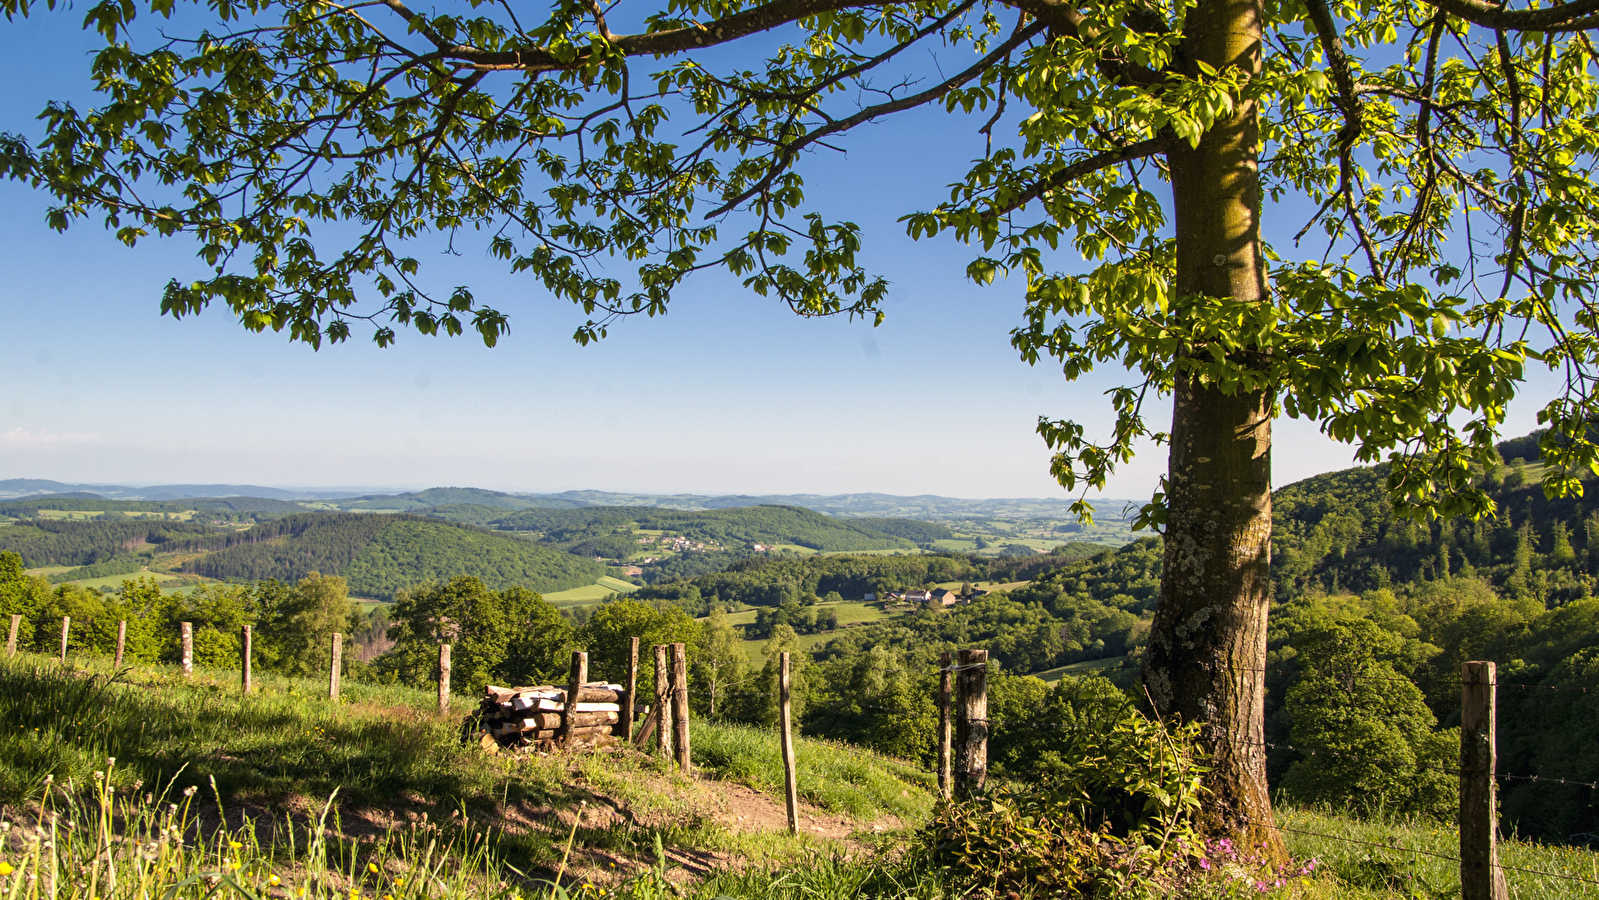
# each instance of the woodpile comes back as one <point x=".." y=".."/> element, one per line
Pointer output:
<point x="522" y="716"/>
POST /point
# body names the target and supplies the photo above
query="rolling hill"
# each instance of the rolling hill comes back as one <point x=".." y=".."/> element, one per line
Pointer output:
<point x="382" y="554"/>
<point x="772" y="525"/>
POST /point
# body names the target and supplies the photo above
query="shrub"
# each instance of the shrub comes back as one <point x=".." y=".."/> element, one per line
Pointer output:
<point x="1113" y="819"/>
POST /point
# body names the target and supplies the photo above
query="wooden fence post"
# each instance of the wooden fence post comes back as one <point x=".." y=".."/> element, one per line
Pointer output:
<point x="1481" y="878"/>
<point x="685" y="762"/>
<point x="574" y="687"/>
<point x="186" y="650"/>
<point x="663" y="701"/>
<point x="335" y="664"/>
<point x="945" y="688"/>
<point x="790" y="781"/>
<point x="444" y="678"/>
<point x="629" y="699"/>
<point x="122" y="642"/>
<point x="11" y="639"/>
<point x="971" y="737"/>
<point x="66" y="626"/>
<point x="246" y="650"/>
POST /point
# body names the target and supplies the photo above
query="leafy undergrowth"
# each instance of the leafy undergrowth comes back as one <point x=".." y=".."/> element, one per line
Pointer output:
<point x="275" y="757"/>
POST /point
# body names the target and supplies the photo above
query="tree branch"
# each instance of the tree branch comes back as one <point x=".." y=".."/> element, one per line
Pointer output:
<point x="786" y="154"/>
<point x="1578" y="16"/>
<point x="1085" y="166"/>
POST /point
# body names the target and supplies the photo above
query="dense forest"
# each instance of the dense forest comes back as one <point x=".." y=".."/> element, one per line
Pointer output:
<point x="764" y="581"/>
<point x="58" y="542"/>
<point x="731" y="527"/>
<point x="382" y="554"/>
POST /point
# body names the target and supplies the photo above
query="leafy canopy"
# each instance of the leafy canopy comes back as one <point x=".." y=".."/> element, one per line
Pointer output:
<point x="1430" y="162"/>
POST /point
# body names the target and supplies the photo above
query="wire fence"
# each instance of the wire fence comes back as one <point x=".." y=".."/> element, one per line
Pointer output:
<point x="1002" y="726"/>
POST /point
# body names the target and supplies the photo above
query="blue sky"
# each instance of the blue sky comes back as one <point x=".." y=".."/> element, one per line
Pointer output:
<point x="728" y="393"/>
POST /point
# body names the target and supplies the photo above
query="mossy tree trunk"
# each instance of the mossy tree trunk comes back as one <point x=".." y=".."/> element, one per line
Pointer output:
<point x="1208" y="642"/>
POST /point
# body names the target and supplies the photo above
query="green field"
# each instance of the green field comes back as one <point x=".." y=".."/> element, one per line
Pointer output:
<point x="1050" y="676"/>
<point x="591" y="593"/>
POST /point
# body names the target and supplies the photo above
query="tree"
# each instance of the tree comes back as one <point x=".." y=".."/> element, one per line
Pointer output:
<point x="540" y="638"/>
<point x="722" y="660"/>
<point x="1366" y="737"/>
<point x="302" y="151"/>
<point x="297" y="624"/>
<point x="607" y="636"/>
<point x="461" y="612"/>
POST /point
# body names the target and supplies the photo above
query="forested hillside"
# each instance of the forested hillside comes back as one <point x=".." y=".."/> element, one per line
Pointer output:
<point x="382" y="554"/>
<point x="762" y="581"/>
<point x="609" y="530"/>
<point x="410" y="552"/>
<point x="55" y="542"/>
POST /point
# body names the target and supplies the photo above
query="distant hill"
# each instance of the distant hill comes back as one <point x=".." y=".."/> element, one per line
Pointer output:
<point x="55" y="542"/>
<point x="734" y="527"/>
<point x="910" y="529"/>
<point x="85" y="502"/>
<point x="12" y="488"/>
<point x="455" y="496"/>
<point x="382" y="554"/>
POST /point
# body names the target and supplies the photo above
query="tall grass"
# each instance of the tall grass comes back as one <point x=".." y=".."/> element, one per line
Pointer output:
<point x="831" y="776"/>
<point x="121" y="843"/>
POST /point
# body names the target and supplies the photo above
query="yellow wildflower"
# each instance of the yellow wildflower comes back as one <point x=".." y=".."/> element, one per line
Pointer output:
<point x="5" y="868"/>
<point x="235" y="844"/>
<point x="273" y="880"/>
<point x="372" y="867"/>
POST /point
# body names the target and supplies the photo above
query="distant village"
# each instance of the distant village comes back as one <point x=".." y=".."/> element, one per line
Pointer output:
<point x="937" y="598"/>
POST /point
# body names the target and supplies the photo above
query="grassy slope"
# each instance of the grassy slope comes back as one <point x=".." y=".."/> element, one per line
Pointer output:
<point x="385" y="747"/>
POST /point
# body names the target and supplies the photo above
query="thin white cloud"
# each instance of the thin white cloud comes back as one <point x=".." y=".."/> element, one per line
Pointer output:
<point x="21" y="437"/>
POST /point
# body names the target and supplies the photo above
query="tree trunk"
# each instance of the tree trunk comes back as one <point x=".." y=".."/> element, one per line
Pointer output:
<point x="1207" y="646"/>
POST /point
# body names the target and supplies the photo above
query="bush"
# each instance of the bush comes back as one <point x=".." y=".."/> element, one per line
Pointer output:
<point x="1113" y="819"/>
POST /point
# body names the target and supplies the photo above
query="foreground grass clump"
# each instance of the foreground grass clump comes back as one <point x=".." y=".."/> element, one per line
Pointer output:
<point x="111" y="844"/>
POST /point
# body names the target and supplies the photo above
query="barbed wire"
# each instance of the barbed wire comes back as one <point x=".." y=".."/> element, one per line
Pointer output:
<point x="1444" y="856"/>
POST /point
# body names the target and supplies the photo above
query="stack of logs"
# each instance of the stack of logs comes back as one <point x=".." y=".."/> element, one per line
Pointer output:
<point x="598" y="714"/>
<point x="518" y="716"/>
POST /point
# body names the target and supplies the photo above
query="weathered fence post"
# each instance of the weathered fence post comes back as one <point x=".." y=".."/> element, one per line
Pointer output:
<point x="790" y="780"/>
<point x="11" y="638"/>
<point x="971" y="728"/>
<point x="625" y="723"/>
<point x="685" y="762"/>
<point x="574" y="688"/>
<point x="186" y="650"/>
<point x="122" y="642"/>
<point x="335" y="665"/>
<point x="66" y="626"/>
<point x="663" y="701"/>
<point x="246" y="649"/>
<point x="945" y="686"/>
<point x="444" y="678"/>
<point x="1481" y="878"/>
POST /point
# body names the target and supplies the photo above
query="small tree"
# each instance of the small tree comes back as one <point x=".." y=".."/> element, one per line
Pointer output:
<point x="461" y="612"/>
<point x="721" y="660"/>
<point x="607" y="637"/>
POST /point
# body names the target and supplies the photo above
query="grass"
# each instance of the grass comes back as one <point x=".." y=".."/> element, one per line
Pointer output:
<point x="1398" y="858"/>
<point x="591" y="593"/>
<point x="831" y="776"/>
<point x="1050" y="676"/>
<point x="215" y="796"/>
<point x="389" y="755"/>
